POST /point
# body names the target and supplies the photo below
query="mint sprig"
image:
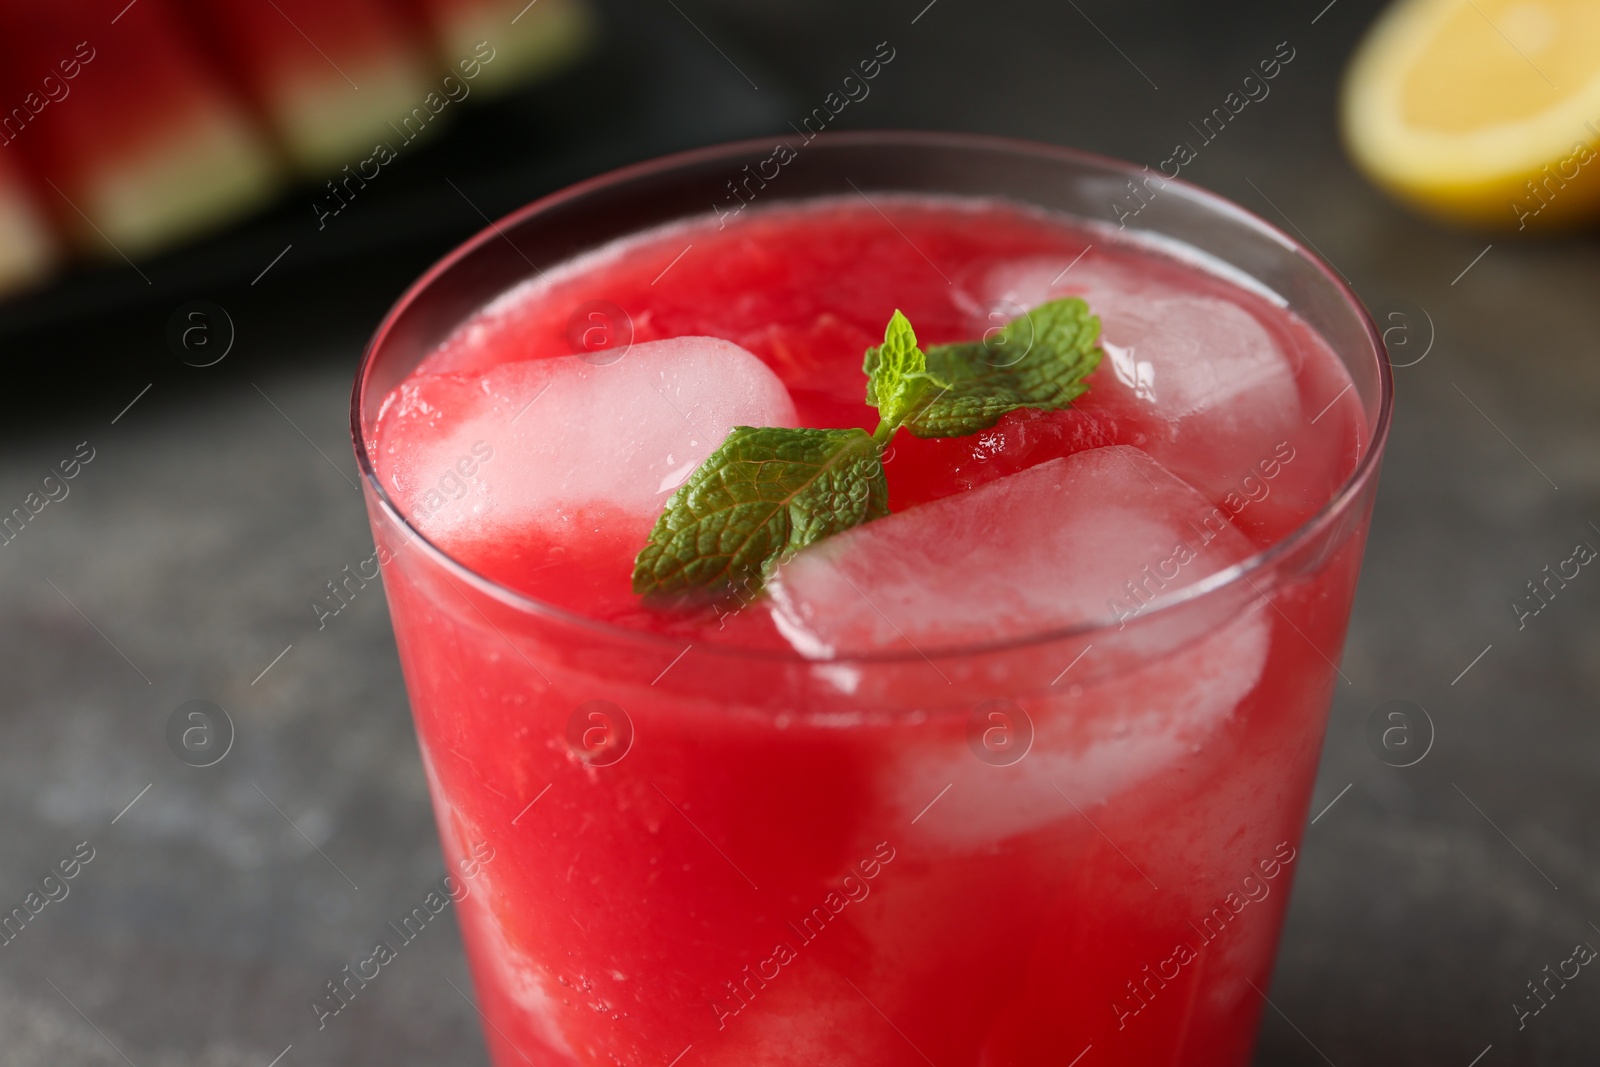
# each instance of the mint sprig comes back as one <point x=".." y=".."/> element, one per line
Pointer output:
<point x="1037" y="360"/>
<point x="768" y="491"/>
<point x="898" y="381"/>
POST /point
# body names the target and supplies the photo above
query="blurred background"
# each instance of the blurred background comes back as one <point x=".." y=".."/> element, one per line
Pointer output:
<point x="207" y="205"/>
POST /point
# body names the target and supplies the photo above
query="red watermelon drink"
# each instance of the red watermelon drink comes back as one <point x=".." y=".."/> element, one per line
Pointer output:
<point x="891" y="622"/>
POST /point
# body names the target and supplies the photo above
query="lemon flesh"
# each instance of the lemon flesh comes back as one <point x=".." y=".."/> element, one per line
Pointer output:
<point x="1485" y="112"/>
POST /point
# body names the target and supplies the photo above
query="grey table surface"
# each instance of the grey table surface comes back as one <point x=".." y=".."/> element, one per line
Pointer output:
<point x="181" y="563"/>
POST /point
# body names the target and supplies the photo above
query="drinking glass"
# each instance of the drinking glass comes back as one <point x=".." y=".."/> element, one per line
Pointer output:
<point x="1072" y="843"/>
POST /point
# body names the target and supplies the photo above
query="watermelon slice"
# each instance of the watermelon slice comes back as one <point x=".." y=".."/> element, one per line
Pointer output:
<point x="333" y="76"/>
<point x="504" y="43"/>
<point x="117" y="111"/>
<point x="27" y="247"/>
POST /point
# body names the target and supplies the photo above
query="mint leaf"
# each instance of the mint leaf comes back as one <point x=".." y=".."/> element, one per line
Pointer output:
<point x="763" y="494"/>
<point x="1037" y="360"/>
<point x="767" y="492"/>
<point x="897" y="375"/>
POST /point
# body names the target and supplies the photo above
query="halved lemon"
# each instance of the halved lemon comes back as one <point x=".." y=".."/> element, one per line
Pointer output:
<point x="1485" y="112"/>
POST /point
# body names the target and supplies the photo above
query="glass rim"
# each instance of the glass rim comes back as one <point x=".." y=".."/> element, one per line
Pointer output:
<point x="1337" y="504"/>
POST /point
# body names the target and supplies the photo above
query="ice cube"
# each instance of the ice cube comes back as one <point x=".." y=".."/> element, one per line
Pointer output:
<point x="1090" y="536"/>
<point x="1089" y="744"/>
<point x="538" y="444"/>
<point x="1013" y="286"/>
<point x="1218" y="387"/>
<point x="1187" y="355"/>
<point x="1183" y="351"/>
<point x="1095" y="535"/>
